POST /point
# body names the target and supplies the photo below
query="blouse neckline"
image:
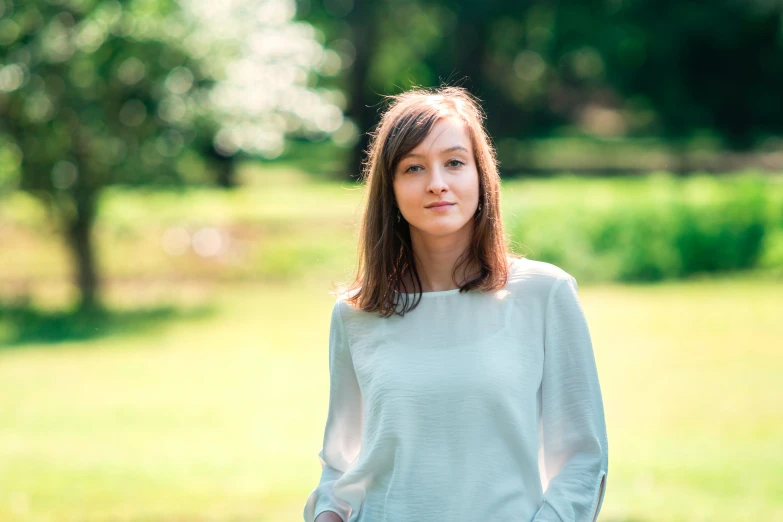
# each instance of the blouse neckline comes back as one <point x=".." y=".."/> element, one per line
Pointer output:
<point x="447" y="292"/>
<point x="431" y="294"/>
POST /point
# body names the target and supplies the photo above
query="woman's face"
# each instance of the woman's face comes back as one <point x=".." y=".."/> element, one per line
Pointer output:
<point x="441" y="168"/>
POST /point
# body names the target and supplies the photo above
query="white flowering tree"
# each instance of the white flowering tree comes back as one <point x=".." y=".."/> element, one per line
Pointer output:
<point x="147" y="92"/>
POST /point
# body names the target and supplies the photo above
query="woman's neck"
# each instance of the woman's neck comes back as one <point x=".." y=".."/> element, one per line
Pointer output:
<point x="436" y="278"/>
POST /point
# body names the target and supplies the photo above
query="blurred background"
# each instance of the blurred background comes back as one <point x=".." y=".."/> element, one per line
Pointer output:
<point x="179" y="192"/>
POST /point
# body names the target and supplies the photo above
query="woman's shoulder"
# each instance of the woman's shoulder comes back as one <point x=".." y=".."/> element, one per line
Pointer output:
<point x="344" y="305"/>
<point x="524" y="268"/>
<point x="528" y="276"/>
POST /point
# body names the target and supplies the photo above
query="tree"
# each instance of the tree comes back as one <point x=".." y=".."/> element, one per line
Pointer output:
<point x="98" y="92"/>
<point x="664" y="69"/>
<point x="715" y="66"/>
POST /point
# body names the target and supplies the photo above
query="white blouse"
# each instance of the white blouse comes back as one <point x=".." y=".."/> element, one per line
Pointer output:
<point x="474" y="406"/>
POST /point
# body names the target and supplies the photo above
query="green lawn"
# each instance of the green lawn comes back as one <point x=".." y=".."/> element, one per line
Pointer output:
<point x="220" y="417"/>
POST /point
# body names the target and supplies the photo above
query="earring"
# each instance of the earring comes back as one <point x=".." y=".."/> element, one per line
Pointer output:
<point x="478" y="210"/>
<point x="398" y="215"/>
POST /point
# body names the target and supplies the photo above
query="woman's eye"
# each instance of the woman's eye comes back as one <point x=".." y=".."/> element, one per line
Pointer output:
<point x="410" y="169"/>
<point x="458" y="163"/>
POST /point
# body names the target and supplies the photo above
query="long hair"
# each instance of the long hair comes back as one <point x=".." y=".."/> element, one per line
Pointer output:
<point x="385" y="254"/>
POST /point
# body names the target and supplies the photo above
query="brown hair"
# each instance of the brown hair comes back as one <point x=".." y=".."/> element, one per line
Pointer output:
<point x="385" y="254"/>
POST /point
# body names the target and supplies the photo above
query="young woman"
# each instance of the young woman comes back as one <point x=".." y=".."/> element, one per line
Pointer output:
<point x="463" y="384"/>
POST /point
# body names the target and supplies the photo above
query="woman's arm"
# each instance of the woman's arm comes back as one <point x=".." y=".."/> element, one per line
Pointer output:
<point x="572" y="429"/>
<point x="342" y="434"/>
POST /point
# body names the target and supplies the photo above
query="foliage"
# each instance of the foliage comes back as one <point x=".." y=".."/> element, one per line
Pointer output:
<point x="145" y="92"/>
<point x="663" y="229"/>
<point x="660" y="68"/>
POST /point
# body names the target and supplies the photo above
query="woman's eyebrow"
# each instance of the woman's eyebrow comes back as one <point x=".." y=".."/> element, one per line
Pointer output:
<point x="444" y="151"/>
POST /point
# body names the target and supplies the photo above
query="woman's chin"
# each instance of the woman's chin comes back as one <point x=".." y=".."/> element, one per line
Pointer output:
<point x="440" y="227"/>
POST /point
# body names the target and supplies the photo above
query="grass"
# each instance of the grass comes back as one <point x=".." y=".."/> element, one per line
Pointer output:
<point x="219" y="417"/>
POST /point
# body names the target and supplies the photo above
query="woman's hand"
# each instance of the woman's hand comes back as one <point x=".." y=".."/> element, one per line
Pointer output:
<point x="328" y="516"/>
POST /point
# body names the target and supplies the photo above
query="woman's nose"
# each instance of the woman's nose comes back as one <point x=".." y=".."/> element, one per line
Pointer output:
<point x="437" y="181"/>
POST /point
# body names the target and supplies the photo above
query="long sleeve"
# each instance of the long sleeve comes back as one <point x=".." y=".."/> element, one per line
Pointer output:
<point x="342" y="433"/>
<point x="573" y="449"/>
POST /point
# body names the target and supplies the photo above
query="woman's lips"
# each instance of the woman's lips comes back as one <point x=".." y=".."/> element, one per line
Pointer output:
<point x="441" y="208"/>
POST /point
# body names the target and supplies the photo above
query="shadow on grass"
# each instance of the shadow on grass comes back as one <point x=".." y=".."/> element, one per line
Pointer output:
<point x="22" y="324"/>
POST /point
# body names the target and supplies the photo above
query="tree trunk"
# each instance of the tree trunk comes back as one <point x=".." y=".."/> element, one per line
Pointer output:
<point x="225" y="176"/>
<point x="471" y="36"/>
<point x="680" y="159"/>
<point x="79" y="232"/>
<point x="223" y="166"/>
<point x="362" y="20"/>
